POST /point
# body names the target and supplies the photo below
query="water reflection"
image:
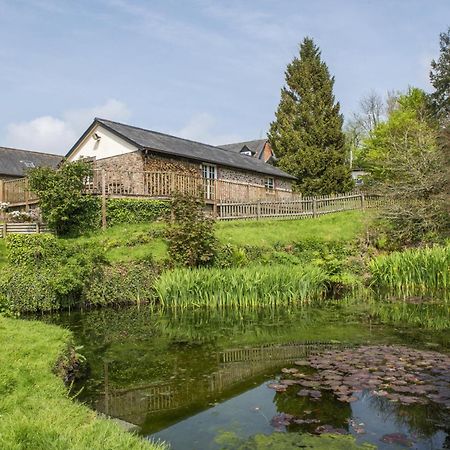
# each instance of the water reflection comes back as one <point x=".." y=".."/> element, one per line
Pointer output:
<point x="169" y="372"/>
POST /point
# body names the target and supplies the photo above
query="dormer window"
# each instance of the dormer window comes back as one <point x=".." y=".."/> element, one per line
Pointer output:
<point x="246" y="151"/>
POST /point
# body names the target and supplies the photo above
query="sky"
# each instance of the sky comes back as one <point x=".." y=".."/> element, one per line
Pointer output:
<point x="206" y="70"/>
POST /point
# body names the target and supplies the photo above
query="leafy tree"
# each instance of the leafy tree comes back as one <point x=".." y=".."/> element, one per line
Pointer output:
<point x="307" y="132"/>
<point x="64" y="206"/>
<point x="411" y="171"/>
<point x="191" y="234"/>
<point x="440" y="79"/>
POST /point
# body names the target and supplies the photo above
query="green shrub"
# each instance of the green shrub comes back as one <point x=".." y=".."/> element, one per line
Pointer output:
<point x="190" y="234"/>
<point x="121" y="210"/>
<point x="120" y="284"/>
<point x="248" y="287"/>
<point x="45" y="273"/>
<point x="31" y="248"/>
<point x="65" y="207"/>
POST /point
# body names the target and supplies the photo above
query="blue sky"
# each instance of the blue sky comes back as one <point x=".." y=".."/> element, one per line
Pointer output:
<point x="207" y="70"/>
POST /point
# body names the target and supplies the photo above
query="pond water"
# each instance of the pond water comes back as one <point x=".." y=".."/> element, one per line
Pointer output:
<point x="199" y="379"/>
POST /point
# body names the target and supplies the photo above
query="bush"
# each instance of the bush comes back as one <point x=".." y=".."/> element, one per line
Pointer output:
<point x="121" y="210"/>
<point x="45" y="273"/>
<point x="31" y="248"/>
<point x="121" y="284"/>
<point x="191" y="234"/>
<point x="64" y="206"/>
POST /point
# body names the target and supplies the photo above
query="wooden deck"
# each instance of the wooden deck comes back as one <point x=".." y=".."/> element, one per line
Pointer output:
<point x="227" y="199"/>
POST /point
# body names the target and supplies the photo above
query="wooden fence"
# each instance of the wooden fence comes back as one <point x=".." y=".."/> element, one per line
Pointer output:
<point x="22" y="228"/>
<point x="229" y="199"/>
<point x="301" y="208"/>
<point x="16" y="193"/>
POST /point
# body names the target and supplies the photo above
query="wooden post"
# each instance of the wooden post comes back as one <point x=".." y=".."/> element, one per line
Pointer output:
<point x="4" y="229"/>
<point x="258" y="209"/>
<point x="27" y="197"/>
<point x="314" y="205"/>
<point x="103" y="200"/>
<point x="2" y="191"/>
<point x="362" y="200"/>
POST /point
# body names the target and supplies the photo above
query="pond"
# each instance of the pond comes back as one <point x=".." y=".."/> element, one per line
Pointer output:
<point x="208" y="380"/>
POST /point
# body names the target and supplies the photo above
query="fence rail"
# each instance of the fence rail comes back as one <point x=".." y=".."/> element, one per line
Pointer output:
<point x="302" y="208"/>
<point x="230" y="199"/>
<point x="22" y="228"/>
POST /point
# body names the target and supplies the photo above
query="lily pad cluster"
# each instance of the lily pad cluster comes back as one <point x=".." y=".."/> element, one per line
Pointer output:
<point x="397" y="373"/>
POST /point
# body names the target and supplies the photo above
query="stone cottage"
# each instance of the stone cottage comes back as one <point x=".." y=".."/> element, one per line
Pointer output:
<point x="142" y="162"/>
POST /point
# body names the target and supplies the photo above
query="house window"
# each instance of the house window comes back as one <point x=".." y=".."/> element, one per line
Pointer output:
<point x="269" y="183"/>
<point x="209" y="173"/>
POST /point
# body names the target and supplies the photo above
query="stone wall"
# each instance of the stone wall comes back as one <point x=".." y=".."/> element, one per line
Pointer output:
<point x="125" y="173"/>
<point x="154" y="162"/>
<point x="242" y="176"/>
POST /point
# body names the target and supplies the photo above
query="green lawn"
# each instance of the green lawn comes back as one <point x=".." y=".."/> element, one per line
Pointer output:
<point x="344" y="226"/>
<point x="124" y="243"/>
<point x="36" y="411"/>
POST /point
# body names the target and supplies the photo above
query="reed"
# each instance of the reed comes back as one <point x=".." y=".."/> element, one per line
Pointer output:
<point x="249" y="287"/>
<point x="414" y="272"/>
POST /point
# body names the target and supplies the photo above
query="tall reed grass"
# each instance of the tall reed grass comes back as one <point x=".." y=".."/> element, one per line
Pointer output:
<point x="414" y="272"/>
<point x="249" y="287"/>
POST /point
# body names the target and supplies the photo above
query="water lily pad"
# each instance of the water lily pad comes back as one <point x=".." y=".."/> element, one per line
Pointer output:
<point x="397" y="438"/>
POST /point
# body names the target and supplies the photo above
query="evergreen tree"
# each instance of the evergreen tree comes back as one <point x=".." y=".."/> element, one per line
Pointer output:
<point x="440" y="79"/>
<point x="307" y="133"/>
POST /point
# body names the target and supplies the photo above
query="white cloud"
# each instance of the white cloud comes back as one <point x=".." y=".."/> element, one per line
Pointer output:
<point x="202" y="127"/>
<point x="58" y="134"/>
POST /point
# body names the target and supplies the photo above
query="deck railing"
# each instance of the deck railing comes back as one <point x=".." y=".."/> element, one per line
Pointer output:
<point x="16" y="192"/>
<point x="231" y="199"/>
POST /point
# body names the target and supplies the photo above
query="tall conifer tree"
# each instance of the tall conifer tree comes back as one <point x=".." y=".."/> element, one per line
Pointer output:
<point x="440" y="79"/>
<point x="307" y="134"/>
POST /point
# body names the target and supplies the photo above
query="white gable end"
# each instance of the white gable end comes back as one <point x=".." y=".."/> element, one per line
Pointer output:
<point x="100" y="143"/>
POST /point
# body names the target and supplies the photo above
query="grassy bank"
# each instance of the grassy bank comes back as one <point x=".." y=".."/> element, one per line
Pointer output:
<point x="35" y="409"/>
<point x="344" y="226"/>
<point x="136" y="242"/>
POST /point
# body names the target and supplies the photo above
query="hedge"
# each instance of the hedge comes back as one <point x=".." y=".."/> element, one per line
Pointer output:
<point x="124" y="210"/>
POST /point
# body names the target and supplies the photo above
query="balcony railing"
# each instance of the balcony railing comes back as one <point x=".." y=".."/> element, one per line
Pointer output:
<point x="160" y="185"/>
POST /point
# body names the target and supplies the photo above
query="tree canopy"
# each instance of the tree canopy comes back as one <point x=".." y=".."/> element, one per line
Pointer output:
<point x="307" y="134"/>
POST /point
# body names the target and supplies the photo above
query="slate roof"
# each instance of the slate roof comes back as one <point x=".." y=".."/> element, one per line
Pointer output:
<point x="255" y="146"/>
<point x="172" y="145"/>
<point x="15" y="162"/>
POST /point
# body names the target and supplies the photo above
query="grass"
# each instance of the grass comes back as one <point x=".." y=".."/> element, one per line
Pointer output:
<point x="422" y="271"/>
<point x="35" y="409"/>
<point x="248" y="287"/>
<point x="343" y="226"/>
<point x="125" y="243"/>
<point x="137" y="242"/>
<point x="412" y="287"/>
